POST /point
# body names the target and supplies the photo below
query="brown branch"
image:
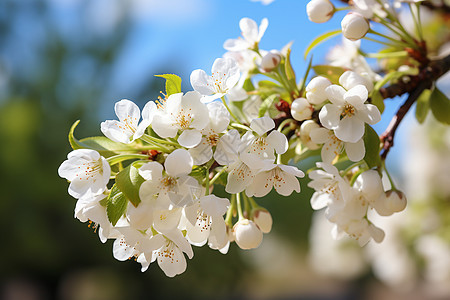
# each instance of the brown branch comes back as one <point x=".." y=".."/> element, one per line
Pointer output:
<point x="423" y="81"/>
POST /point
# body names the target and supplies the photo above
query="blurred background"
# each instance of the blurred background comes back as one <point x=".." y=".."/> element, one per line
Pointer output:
<point x="64" y="60"/>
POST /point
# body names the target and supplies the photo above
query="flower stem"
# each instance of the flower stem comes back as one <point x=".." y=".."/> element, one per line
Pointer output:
<point x="229" y="216"/>
<point x="239" y="206"/>
<point x="152" y="139"/>
<point x="121" y="157"/>
<point x="229" y="110"/>
<point x="217" y="175"/>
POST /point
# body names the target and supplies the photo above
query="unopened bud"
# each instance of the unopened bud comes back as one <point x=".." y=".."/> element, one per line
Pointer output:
<point x="263" y="219"/>
<point x="315" y="90"/>
<point x="305" y="134"/>
<point x="270" y="61"/>
<point x="396" y="200"/>
<point x="247" y="234"/>
<point x="354" y="26"/>
<point x="301" y="109"/>
<point x="319" y="11"/>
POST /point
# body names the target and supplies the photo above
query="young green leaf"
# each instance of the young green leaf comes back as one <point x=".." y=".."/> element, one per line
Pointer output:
<point x="115" y="205"/>
<point x="173" y="83"/>
<point x="330" y="72"/>
<point x="378" y="100"/>
<point x="129" y="181"/>
<point x="423" y="106"/>
<point x="372" y="145"/>
<point x="440" y="106"/>
<point x="267" y="103"/>
<point x="321" y="39"/>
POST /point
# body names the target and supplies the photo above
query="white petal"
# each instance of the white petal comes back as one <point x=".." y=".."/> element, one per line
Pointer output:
<point x="239" y="178"/>
<point x="249" y="29"/>
<point x="219" y="117"/>
<point x="179" y="162"/>
<point x="355" y="151"/>
<point x="227" y="148"/>
<point x="320" y="200"/>
<point x="262" y="28"/>
<point x="190" y="138"/>
<point x="151" y="171"/>
<point x="214" y="206"/>
<point x="166" y="220"/>
<point x="262" y="125"/>
<point x="172" y="264"/>
<point x="262" y="184"/>
<point x="200" y="81"/>
<point x="164" y="126"/>
<point x="320" y="135"/>
<point x="335" y="94"/>
<point x="356" y="96"/>
<point x="201" y="153"/>
<point x="331" y="149"/>
<point x="330" y="115"/>
<point x="230" y="70"/>
<point x="350" y="129"/>
<point x="127" y="112"/>
<point x="286" y="183"/>
<point x="278" y="141"/>
<point x="370" y="115"/>
<point x="116" y="131"/>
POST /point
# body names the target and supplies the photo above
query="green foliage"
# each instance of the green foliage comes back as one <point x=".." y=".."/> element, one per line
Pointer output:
<point x="116" y="205"/>
<point x="320" y="39"/>
<point x="378" y="100"/>
<point x="267" y="103"/>
<point x="440" y="106"/>
<point x="330" y="72"/>
<point x="101" y="144"/>
<point x="423" y="106"/>
<point x="173" y="83"/>
<point x="288" y="70"/>
<point x="129" y="181"/>
<point x="372" y="145"/>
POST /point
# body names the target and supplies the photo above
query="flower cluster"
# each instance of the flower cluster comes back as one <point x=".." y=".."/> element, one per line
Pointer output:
<point x="152" y="182"/>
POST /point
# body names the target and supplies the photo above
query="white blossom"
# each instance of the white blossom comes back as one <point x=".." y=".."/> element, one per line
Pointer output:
<point x="251" y="35"/>
<point x="354" y="26"/>
<point x="319" y="11"/>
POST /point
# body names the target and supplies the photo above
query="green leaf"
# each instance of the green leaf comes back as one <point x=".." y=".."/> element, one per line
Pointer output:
<point x="305" y="77"/>
<point x="267" y="103"/>
<point x="330" y="72"/>
<point x="101" y="144"/>
<point x="115" y="205"/>
<point x="129" y="181"/>
<point x="290" y="74"/>
<point x="372" y="145"/>
<point x="268" y="84"/>
<point x="321" y="39"/>
<point x="248" y="85"/>
<point x="378" y="100"/>
<point x="423" y="106"/>
<point x="173" y="83"/>
<point x="440" y="106"/>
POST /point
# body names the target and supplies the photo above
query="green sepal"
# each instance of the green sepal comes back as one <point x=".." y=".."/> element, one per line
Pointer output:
<point x="248" y="85"/>
<point x="321" y="39"/>
<point x="267" y="103"/>
<point x="423" y="106"/>
<point x="378" y="100"/>
<point x="440" y="106"/>
<point x="116" y="205"/>
<point x="372" y="145"/>
<point x="330" y="72"/>
<point x="129" y="181"/>
<point x="305" y="77"/>
<point x="101" y="144"/>
<point x="173" y="83"/>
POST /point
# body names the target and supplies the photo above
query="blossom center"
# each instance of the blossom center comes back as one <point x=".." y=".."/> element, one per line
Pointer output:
<point x="348" y="111"/>
<point x="168" y="183"/>
<point x="89" y="171"/>
<point x="184" y="118"/>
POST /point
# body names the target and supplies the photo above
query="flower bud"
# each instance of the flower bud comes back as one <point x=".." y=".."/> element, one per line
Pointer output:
<point x="263" y="219"/>
<point x="354" y="26"/>
<point x="305" y="134"/>
<point x="319" y="11"/>
<point x="247" y="234"/>
<point x="270" y="61"/>
<point x="396" y="200"/>
<point x="315" y="90"/>
<point x="301" y="109"/>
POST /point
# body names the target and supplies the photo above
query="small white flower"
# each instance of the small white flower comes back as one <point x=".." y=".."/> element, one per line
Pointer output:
<point x="347" y="112"/>
<point x="354" y="26"/>
<point x="247" y="234"/>
<point x="127" y="129"/>
<point x="391" y="202"/>
<point x="204" y="221"/>
<point x="301" y="109"/>
<point x="315" y="90"/>
<point x="87" y="171"/>
<point x="270" y="60"/>
<point x="219" y="118"/>
<point x="251" y="35"/>
<point x="176" y="184"/>
<point x="281" y="177"/>
<point x="350" y="79"/>
<point x="332" y="146"/>
<point x="319" y="11"/>
<point x="225" y="75"/>
<point x="182" y="112"/>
